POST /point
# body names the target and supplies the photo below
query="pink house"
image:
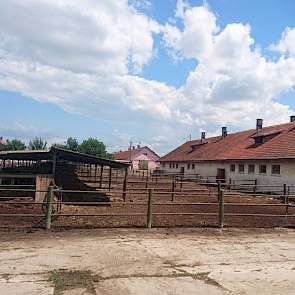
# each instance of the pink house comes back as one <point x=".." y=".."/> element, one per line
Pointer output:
<point x="141" y="158"/>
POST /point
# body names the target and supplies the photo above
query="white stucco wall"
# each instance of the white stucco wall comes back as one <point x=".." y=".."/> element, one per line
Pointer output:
<point x="209" y="169"/>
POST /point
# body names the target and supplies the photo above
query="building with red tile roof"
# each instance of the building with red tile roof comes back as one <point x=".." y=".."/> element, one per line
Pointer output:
<point x="265" y="153"/>
<point x="141" y="158"/>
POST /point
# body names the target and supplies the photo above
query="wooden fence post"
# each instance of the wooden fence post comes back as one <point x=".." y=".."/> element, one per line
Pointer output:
<point x="218" y="190"/>
<point x="255" y="186"/>
<point x="149" y="209"/>
<point x="49" y="207"/>
<point x="286" y="197"/>
<point x="221" y="208"/>
<point x="173" y="190"/>
<point x="125" y="185"/>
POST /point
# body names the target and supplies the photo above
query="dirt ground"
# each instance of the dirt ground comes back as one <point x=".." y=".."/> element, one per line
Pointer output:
<point x="142" y="261"/>
<point x="158" y="220"/>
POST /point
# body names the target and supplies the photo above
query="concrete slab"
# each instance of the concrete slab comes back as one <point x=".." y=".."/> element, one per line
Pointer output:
<point x="157" y="261"/>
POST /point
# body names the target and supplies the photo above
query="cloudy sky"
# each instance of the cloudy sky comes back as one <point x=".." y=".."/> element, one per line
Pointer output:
<point x="153" y="71"/>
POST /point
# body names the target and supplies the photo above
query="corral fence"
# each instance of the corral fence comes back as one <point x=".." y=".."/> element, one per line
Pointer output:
<point x="220" y="202"/>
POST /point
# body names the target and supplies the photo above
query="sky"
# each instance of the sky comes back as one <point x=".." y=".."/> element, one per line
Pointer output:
<point x="155" y="72"/>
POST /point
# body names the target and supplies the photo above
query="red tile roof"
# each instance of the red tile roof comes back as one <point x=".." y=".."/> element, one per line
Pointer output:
<point x="124" y="155"/>
<point x="239" y="145"/>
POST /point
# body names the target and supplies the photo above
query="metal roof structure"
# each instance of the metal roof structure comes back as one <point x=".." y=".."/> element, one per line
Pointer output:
<point x="61" y="154"/>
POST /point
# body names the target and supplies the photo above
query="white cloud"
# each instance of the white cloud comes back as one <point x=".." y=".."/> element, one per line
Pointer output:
<point x="232" y="82"/>
<point x="85" y="56"/>
<point x="287" y="43"/>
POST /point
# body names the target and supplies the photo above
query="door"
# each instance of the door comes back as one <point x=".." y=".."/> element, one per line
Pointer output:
<point x="182" y="170"/>
<point x="220" y="175"/>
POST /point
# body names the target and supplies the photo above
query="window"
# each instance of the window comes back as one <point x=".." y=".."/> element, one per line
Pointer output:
<point x="188" y="166"/>
<point x="176" y="166"/>
<point x="241" y="168"/>
<point x="262" y="169"/>
<point x="193" y="166"/>
<point x="276" y="169"/>
<point x="251" y="169"/>
<point x="173" y="165"/>
<point x="170" y="165"/>
<point x="163" y="165"/>
<point x="232" y="168"/>
<point x="143" y="164"/>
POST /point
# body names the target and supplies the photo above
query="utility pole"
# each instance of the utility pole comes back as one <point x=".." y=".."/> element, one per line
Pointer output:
<point x="130" y="154"/>
<point x="130" y="150"/>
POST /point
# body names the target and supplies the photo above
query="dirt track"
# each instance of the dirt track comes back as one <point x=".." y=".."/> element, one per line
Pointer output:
<point x="141" y="261"/>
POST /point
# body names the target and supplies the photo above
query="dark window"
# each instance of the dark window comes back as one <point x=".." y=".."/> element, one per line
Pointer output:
<point x="259" y="140"/>
<point x="276" y="169"/>
<point x="232" y="168"/>
<point x="241" y="168"/>
<point x="262" y="169"/>
<point x="188" y="166"/>
<point x="193" y="166"/>
<point x="251" y="168"/>
<point x="177" y="166"/>
<point x="173" y="165"/>
<point x="163" y="165"/>
<point x="170" y="165"/>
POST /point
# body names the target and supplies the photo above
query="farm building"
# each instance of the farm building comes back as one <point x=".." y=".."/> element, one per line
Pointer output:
<point x="62" y="168"/>
<point x="141" y="158"/>
<point x="265" y="155"/>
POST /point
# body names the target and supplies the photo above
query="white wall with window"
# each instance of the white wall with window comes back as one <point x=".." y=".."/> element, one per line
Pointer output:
<point x="269" y="172"/>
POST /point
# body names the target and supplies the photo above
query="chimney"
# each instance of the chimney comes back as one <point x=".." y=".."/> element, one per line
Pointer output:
<point x="203" y="135"/>
<point x="224" y="131"/>
<point x="138" y="146"/>
<point x="292" y="118"/>
<point x="259" y="123"/>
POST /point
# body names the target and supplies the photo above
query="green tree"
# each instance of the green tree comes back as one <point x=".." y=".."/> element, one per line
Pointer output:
<point x="94" y="147"/>
<point x="72" y="144"/>
<point x="37" y="143"/>
<point x="15" y="145"/>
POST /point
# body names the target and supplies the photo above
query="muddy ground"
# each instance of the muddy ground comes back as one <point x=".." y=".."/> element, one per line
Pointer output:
<point x="142" y="261"/>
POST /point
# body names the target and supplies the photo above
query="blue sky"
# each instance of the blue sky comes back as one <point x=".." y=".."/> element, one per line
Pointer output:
<point x="162" y="71"/>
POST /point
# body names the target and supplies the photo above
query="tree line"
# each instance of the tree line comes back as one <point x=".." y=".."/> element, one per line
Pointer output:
<point x="90" y="146"/>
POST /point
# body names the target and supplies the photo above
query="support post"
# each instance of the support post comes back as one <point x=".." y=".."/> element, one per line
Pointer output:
<point x="101" y="172"/>
<point x="173" y="190"/>
<point x="110" y="178"/>
<point x="149" y="209"/>
<point x="125" y="185"/>
<point x="54" y="165"/>
<point x="49" y="207"/>
<point x="221" y="208"/>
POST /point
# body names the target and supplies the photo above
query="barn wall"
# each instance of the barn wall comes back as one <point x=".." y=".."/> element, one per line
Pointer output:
<point x="209" y="169"/>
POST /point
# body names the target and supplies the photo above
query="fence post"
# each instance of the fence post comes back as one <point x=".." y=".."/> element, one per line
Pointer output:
<point x="173" y="189"/>
<point x="255" y="186"/>
<point x="49" y="207"/>
<point x="218" y="190"/>
<point x="149" y="209"/>
<point x="286" y="197"/>
<point x="221" y="208"/>
<point x="181" y="181"/>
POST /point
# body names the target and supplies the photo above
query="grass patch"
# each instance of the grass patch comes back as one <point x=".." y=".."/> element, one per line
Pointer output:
<point x="66" y="280"/>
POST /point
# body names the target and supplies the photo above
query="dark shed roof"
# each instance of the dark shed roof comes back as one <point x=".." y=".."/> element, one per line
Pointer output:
<point x="61" y="154"/>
